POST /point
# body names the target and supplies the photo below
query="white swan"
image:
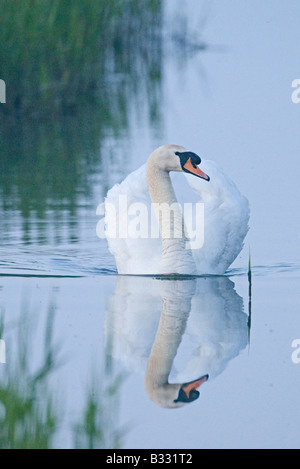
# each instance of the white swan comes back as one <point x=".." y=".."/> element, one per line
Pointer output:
<point x="148" y="189"/>
<point x="175" y="311"/>
<point x="175" y="331"/>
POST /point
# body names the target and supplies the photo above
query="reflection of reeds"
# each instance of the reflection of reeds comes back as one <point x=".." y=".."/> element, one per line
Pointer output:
<point x="98" y="429"/>
<point x="54" y="52"/>
<point x="48" y="163"/>
<point x="82" y="67"/>
<point x="30" y="416"/>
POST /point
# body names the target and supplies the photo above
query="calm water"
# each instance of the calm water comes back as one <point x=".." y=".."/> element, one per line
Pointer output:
<point x="222" y="87"/>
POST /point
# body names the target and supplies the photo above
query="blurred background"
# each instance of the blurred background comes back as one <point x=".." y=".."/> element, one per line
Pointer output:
<point x="75" y="71"/>
<point x="92" y="87"/>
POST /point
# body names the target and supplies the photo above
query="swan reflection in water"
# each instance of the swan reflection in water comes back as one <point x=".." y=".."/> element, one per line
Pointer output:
<point x="179" y="332"/>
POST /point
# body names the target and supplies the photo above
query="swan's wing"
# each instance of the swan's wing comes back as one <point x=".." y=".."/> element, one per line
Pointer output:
<point x="129" y="226"/>
<point x="216" y="333"/>
<point x="226" y="218"/>
<point x="132" y="319"/>
<point x="216" y="326"/>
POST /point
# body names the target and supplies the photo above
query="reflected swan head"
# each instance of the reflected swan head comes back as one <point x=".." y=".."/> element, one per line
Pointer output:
<point x="177" y="330"/>
<point x="175" y="158"/>
<point x="188" y="391"/>
<point x="173" y="396"/>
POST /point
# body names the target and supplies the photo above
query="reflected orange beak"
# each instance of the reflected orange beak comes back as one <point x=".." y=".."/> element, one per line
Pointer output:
<point x="193" y="385"/>
<point x="188" y="391"/>
<point x="189" y="167"/>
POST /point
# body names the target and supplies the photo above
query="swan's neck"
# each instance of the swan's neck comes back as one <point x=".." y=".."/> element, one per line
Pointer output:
<point x="176" y="256"/>
<point x="176" y="308"/>
<point x="168" y="338"/>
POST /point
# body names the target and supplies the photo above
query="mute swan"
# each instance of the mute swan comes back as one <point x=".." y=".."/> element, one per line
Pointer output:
<point x="223" y="223"/>
<point x="175" y="331"/>
<point x="175" y="310"/>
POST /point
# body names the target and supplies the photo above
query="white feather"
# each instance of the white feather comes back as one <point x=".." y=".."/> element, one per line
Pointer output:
<point x="226" y="217"/>
<point x="204" y="327"/>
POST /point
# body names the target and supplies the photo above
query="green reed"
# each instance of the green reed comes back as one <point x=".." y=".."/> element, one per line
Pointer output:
<point x="31" y="413"/>
<point x="55" y="51"/>
<point x="80" y="67"/>
<point x="28" y="417"/>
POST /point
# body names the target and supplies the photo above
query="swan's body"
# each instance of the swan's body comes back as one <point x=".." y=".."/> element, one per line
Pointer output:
<point x="175" y="311"/>
<point x="225" y="224"/>
<point x="175" y="331"/>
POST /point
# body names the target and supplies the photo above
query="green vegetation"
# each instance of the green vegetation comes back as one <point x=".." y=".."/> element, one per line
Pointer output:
<point x="30" y="415"/>
<point x="28" y="419"/>
<point x="75" y="71"/>
<point x="97" y="429"/>
<point x="54" y="52"/>
<point x="49" y="163"/>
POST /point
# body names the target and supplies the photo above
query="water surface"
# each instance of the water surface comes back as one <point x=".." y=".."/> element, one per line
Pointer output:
<point x="222" y="87"/>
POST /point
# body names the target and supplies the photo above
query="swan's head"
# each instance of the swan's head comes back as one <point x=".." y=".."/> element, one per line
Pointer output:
<point x="172" y="396"/>
<point x="175" y="158"/>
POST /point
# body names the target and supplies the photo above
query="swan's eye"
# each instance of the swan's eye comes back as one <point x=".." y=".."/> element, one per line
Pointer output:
<point x="189" y="163"/>
<point x="196" y="160"/>
<point x="188" y="155"/>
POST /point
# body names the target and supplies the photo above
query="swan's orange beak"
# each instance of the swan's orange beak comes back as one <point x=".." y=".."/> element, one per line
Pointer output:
<point x="193" y="385"/>
<point x="189" y="167"/>
<point x="188" y="391"/>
